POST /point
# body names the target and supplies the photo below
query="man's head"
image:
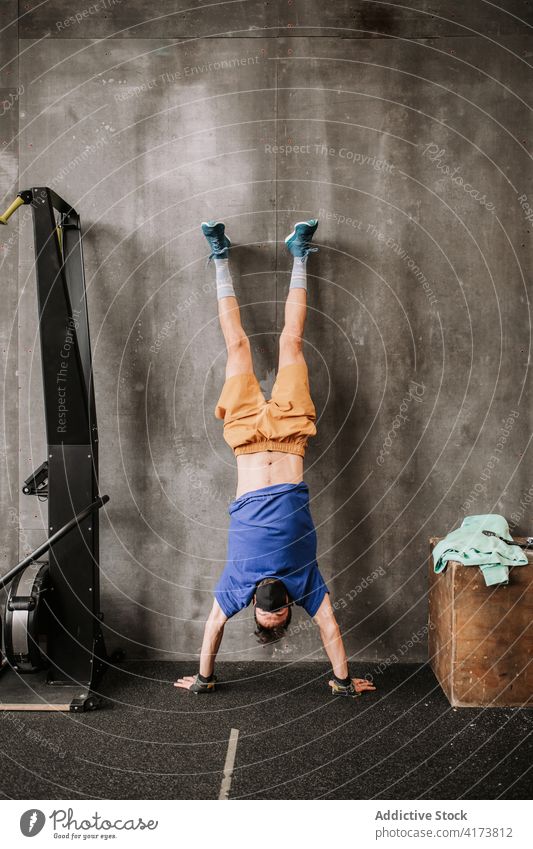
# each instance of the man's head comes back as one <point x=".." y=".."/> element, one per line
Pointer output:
<point x="272" y="610"/>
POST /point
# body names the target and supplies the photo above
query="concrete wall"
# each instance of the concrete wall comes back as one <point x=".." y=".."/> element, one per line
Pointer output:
<point x="366" y="115"/>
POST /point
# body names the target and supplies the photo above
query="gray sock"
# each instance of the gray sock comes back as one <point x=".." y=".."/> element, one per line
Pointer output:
<point x="223" y="279"/>
<point x="299" y="273"/>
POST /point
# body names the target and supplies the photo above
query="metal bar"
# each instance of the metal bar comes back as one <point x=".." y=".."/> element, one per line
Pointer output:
<point x="65" y="393"/>
<point x="79" y="517"/>
<point x="75" y="278"/>
<point x="58" y="203"/>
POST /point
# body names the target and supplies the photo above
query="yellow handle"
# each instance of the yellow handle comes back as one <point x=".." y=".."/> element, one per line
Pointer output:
<point x="11" y="209"/>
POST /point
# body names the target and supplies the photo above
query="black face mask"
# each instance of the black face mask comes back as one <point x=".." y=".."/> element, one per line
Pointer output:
<point x="271" y="596"/>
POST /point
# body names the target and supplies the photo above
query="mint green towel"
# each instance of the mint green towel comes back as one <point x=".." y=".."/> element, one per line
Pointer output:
<point x="470" y="546"/>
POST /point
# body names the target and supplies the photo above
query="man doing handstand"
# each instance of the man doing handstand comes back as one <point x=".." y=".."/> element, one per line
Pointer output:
<point x="271" y="558"/>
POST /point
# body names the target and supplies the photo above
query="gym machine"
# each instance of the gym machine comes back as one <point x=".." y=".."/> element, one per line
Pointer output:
<point x="53" y="649"/>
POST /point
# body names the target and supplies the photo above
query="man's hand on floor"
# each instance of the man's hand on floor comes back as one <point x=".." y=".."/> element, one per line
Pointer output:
<point x="358" y="686"/>
<point x="194" y="685"/>
<point x="362" y="685"/>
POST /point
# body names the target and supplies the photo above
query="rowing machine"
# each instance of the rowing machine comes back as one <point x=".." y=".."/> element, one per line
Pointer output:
<point x="53" y="645"/>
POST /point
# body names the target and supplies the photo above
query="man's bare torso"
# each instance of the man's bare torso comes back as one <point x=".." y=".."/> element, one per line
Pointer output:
<point x="267" y="468"/>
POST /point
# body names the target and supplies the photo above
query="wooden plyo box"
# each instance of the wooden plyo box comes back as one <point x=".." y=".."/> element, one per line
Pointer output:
<point x="481" y="638"/>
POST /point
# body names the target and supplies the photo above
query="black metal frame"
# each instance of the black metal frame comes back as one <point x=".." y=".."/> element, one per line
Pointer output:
<point x="75" y="640"/>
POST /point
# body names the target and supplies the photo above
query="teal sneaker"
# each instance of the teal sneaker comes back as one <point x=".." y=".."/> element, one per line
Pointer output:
<point x="299" y="241"/>
<point x="214" y="232"/>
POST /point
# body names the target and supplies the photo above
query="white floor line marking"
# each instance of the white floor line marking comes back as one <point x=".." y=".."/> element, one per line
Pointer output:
<point x="228" y="766"/>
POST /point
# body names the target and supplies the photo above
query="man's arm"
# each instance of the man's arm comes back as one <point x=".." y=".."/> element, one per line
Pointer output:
<point x="332" y="639"/>
<point x="213" y="633"/>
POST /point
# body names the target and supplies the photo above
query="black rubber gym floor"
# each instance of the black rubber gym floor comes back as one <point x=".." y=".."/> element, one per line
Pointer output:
<point x="295" y="741"/>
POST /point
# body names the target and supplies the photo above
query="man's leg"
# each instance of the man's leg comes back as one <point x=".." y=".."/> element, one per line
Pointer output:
<point x="290" y="343"/>
<point x="296" y="414"/>
<point x="237" y="343"/>
<point x="299" y="246"/>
